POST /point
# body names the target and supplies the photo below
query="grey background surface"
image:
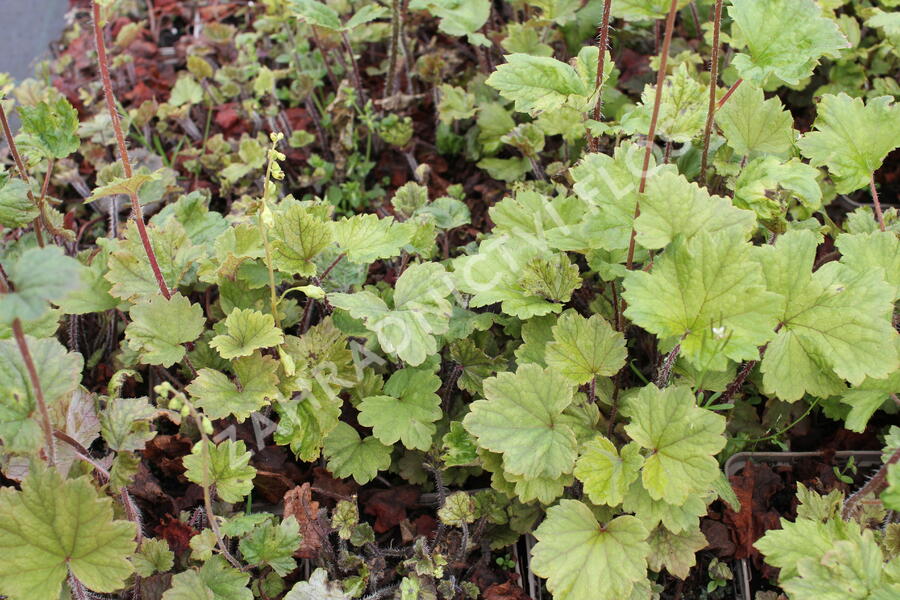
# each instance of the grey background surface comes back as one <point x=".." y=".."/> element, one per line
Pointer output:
<point x="28" y="27"/>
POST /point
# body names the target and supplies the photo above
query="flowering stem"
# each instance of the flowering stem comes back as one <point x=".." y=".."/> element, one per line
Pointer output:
<point x="267" y="246"/>
<point x="136" y="212"/>
<point x="713" y="85"/>
<point x="651" y="134"/>
<point x="602" y="44"/>
<point x="395" y="47"/>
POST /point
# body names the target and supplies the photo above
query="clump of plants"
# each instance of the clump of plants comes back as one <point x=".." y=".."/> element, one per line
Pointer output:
<point x="426" y="298"/>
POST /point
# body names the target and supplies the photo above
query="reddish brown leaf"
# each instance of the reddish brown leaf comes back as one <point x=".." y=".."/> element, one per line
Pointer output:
<point x="755" y="486"/>
<point x="389" y="506"/>
<point x="177" y="533"/>
<point x="717" y="535"/>
<point x="330" y="489"/>
<point x="271" y="486"/>
<point x="165" y="452"/>
<point x="298" y="503"/>
<point x="505" y="591"/>
<point x="425" y="525"/>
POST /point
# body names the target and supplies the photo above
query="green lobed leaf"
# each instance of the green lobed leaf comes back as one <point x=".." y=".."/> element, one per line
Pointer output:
<point x="833" y="560"/>
<point x="366" y="238"/>
<point x="306" y="421"/>
<point x="246" y="330"/>
<point x="674" y="517"/>
<point x="125" y="424"/>
<point x="609" y="187"/>
<point x="316" y="13"/>
<point x="124" y="185"/>
<point x="350" y="456"/>
<point x="522" y="418"/>
<point x="537" y="83"/>
<point x="153" y="556"/>
<point x="583" y="349"/>
<point x="840" y="123"/>
<point x="474" y="365"/>
<point x="38" y="276"/>
<point x="93" y="293"/>
<point x="255" y="384"/>
<point x="421" y="311"/>
<point x="605" y="473"/>
<point x="202" y="225"/>
<point x="682" y="439"/>
<point x="186" y="91"/>
<point x="835" y="322"/>
<point x="675" y="552"/>
<point x="215" y="580"/>
<point x="783" y="39"/>
<point x="227" y="468"/>
<point x="849" y="570"/>
<point x="803" y="539"/>
<point x="863" y="252"/>
<point x="672" y="206"/>
<point x="682" y="112"/>
<point x="459" y="17"/>
<point x="52" y="127"/>
<point x="494" y="274"/>
<point x="459" y="446"/>
<point x="709" y="293"/>
<point x="59" y="373"/>
<point x="751" y="123"/>
<point x="297" y="238"/>
<point x="407" y="412"/>
<point x="583" y="560"/>
<point x="52" y="527"/>
<point x="273" y="545"/>
<point x="16" y="208"/>
<point x="317" y="588"/>
<point x="768" y="186"/>
<point x="866" y="398"/>
<point x="458" y="508"/>
<point x="159" y="328"/>
<point x="129" y="267"/>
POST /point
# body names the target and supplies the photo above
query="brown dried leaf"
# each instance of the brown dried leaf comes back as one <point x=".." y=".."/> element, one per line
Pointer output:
<point x="298" y="503"/>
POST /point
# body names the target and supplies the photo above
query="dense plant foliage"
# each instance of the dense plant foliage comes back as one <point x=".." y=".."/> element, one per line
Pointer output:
<point x="546" y="285"/>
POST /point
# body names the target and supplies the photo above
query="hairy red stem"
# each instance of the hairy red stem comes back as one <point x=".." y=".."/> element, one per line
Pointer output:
<point x="728" y="94"/>
<point x="713" y="85"/>
<point x="136" y="213"/>
<point x="601" y="61"/>
<point x="651" y="134"/>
